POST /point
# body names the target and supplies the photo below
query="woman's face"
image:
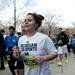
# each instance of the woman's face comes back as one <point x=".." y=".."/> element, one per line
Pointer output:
<point x="29" y="24"/>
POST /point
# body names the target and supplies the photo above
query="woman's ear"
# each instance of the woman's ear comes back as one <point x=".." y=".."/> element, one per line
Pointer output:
<point x="36" y="26"/>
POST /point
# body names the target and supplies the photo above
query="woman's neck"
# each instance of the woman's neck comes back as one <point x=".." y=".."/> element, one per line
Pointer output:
<point x="30" y="34"/>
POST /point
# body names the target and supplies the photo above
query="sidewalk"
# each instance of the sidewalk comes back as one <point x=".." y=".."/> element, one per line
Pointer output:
<point x="6" y="71"/>
<point x="68" y="68"/>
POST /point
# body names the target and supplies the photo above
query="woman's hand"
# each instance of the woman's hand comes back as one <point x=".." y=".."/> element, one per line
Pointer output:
<point x="39" y="59"/>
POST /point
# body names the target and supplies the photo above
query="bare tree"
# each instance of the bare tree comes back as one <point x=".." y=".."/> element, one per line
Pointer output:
<point x="51" y="20"/>
<point x="1" y="25"/>
<point x="16" y="20"/>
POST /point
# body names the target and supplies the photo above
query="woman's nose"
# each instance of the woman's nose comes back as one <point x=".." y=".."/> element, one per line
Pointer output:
<point x="26" y="22"/>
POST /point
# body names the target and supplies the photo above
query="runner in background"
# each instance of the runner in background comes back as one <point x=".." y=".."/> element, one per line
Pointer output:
<point x="4" y="35"/>
<point x="63" y="40"/>
<point x="10" y="41"/>
<point x="72" y="42"/>
<point x="2" y="51"/>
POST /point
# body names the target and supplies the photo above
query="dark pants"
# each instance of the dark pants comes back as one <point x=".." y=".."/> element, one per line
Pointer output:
<point x="20" y="64"/>
<point x="11" y="60"/>
<point x="73" y="50"/>
<point x="11" y="63"/>
<point x="69" y="48"/>
<point x="2" y="61"/>
<point x="20" y="67"/>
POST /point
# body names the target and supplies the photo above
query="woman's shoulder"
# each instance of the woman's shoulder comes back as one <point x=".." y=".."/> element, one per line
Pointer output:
<point x="42" y="35"/>
<point x="22" y="37"/>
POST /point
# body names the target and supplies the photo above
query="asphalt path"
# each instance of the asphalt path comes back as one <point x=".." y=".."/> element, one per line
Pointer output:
<point x="67" y="68"/>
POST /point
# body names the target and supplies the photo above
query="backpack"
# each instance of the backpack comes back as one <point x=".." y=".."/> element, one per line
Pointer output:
<point x="73" y="42"/>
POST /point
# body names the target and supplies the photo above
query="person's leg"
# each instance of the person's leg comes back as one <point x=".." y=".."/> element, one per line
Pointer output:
<point x="20" y="67"/>
<point x="2" y="63"/>
<point x="74" y="51"/>
<point x="60" y="53"/>
<point x="5" y="56"/>
<point x="11" y="63"/>
<point x="66" y="55"/>
<point x="60" y="59"/>
<point x="69" y="49"/>
<point x="65" y="51"/>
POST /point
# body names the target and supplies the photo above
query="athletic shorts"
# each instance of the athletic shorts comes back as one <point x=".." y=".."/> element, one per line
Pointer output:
<point x="20" y="64"/>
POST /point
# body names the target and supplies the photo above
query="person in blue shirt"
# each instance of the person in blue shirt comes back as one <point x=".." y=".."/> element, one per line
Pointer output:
<point x="72" y="42"/>
<point x="10" y="41"/>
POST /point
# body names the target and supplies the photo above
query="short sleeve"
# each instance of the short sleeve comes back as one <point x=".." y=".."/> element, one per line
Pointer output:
<point x="49" y="46"/>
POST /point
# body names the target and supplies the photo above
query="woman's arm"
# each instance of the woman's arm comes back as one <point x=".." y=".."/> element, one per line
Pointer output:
<point x="48" y="57"/>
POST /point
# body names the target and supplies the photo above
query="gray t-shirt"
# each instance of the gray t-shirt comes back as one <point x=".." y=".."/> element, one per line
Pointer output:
<point x="37" y="45"/>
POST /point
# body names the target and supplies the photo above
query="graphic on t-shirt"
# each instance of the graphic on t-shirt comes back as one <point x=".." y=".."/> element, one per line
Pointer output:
<point x="29" y="49"/>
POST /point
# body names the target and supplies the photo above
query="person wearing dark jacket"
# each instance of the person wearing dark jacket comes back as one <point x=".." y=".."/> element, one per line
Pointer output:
<point x="63" y="40"/>
<point x="2" y="51"/>
<point x="63" y="37"/>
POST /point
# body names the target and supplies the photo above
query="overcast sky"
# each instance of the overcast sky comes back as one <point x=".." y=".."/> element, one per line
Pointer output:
<point x="65" y="8"/>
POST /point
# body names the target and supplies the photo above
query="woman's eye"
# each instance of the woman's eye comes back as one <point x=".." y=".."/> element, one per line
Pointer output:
<point x="29" y="20"/>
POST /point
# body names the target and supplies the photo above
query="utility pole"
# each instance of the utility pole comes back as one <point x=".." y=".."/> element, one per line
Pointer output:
<point x="15" y="13"/>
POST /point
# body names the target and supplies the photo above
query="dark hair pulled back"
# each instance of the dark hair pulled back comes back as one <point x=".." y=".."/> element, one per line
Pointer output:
<point x="38" y="18"/>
